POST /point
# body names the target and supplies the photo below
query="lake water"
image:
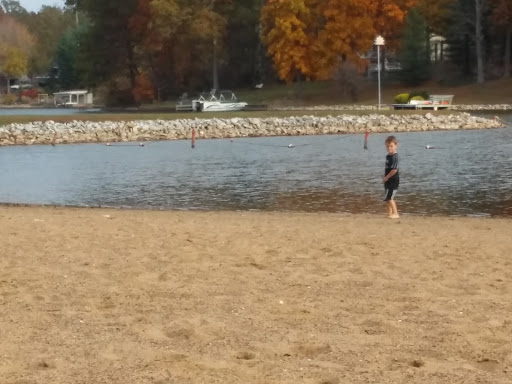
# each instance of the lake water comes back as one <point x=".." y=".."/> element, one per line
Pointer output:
<point x="468" y="173"/>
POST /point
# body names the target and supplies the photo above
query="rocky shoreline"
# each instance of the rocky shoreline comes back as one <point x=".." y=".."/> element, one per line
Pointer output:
<point x="365" y="107"/>
<point x="50" y="132"/>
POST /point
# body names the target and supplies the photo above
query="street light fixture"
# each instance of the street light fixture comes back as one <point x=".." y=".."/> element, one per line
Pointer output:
<point x="379" y="40"/>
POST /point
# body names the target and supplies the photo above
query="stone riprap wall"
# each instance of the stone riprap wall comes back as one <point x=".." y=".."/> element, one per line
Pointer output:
<point x="89" y="132"/>
<point x="455" y="107"/>
<point x="479" y="107"/>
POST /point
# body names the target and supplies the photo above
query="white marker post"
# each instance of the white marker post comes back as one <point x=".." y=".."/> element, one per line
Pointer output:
<point x="379" y="40"/>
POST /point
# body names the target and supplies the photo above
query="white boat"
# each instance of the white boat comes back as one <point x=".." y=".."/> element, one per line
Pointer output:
<point x="223" y="101"/>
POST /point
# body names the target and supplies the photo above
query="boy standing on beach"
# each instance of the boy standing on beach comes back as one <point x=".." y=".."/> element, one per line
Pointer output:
<point x="391" y="176"/>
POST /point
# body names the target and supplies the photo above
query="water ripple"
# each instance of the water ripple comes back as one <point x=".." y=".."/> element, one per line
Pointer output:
<point x="469" y="173"/>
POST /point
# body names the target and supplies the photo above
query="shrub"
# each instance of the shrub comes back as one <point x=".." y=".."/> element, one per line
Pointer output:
<point x="30" y="93"/>
<point x="419" y="92"/>
<point x="120" y="98"/>
<point x="348" y="81"/>
<point x="143" y="92"/>
<point x="416" y="98"/>
<point x="8" y="99"/>
<point x="402" y="98"/>
<point x="26" y="100"/>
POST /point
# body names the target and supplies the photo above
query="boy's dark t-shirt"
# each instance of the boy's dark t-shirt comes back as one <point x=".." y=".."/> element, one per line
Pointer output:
<point x="392" y="163"/>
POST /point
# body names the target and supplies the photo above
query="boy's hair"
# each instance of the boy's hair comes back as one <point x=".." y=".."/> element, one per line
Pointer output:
<point x="391" y="139"/>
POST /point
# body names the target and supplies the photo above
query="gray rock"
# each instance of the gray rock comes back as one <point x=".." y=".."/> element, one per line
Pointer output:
<point x="78" y="131"/>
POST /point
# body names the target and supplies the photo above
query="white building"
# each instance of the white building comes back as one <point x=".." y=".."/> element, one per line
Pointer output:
<point x="75" y="98"/>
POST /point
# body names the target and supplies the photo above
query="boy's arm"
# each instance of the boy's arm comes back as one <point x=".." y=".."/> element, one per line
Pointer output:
<point x="390" y="174"/>
<point x="394" y="170"/>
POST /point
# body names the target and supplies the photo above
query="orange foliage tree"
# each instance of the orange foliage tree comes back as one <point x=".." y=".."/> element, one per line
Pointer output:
<point x="176" y="39"/>
<point x="16" y="43"/>
<point x="312" y="37"/>
<point x="285" y="25"/>
<point x="15" y="34"/>
<point x="389" y="17"/>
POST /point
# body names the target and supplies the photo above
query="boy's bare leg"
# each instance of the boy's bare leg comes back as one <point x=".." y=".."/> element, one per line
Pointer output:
<point x="394" y="210"/>
<point x="389" y="207"/>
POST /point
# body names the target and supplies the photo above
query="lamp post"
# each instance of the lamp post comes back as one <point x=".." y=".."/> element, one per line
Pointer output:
<point x="379" y="40"/>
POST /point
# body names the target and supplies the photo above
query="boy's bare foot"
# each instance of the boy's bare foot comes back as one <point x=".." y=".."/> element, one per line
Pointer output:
<point x="395" y="216"/>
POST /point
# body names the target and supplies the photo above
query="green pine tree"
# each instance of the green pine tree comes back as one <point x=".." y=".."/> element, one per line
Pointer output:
<point x="68" y="60"/>
<point x="415" y="56"/>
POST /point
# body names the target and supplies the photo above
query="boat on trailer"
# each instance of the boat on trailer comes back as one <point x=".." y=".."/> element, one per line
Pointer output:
<point x="435" y="102"/>
<point x="222" y="101"/>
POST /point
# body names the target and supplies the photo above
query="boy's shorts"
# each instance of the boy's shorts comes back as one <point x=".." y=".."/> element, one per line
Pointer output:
<point x="389" y="194"/>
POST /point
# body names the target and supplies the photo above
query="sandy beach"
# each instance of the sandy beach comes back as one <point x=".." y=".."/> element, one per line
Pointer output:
<point x="94" y="296"/>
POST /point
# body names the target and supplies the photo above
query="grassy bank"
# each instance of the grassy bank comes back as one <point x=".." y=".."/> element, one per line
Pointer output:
<point x="316" y="93"/>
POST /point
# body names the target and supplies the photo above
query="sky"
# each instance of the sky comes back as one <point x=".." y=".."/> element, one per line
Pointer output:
<point x="35" y="5"/>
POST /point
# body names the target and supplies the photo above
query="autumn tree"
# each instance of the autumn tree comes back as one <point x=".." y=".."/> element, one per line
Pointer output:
<point x="285" y="26"/>
<point x="176" y="45"/>
<point x="163" y="28"/>
<point x="109" y="47"/>
<point x="312" y="37"/>
<point x="15" y="34"/>
<point x="47" y="26"/>
<point x="14" y="63"/>
<point x="436" y="14"/>
<point x="15" y="45"/>
<point x="148" y="22"/>
<point x="388" y="18"/>
<point x="166" y="42"/>
<point x="183" y="43"/>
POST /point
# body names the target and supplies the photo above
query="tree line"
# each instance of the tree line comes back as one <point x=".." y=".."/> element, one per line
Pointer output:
<point x="141" y="50"/>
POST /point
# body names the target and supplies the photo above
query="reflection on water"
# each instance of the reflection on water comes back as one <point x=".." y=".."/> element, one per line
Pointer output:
<point x="469" y="173"/>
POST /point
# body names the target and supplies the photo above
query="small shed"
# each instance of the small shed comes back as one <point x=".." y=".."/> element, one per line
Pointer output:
<point x="75" y="98"/>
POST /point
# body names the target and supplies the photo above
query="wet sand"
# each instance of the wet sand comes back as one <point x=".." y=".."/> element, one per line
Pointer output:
<point x="132" y="297"/>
